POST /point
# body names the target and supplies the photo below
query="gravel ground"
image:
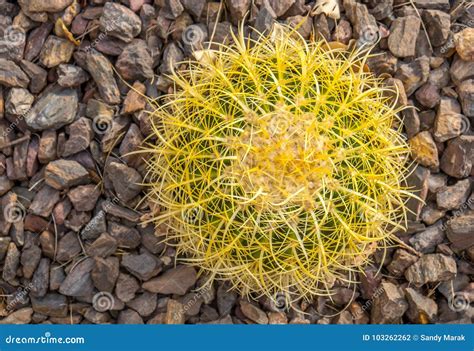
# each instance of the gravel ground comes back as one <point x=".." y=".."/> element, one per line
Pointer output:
<point x="72" y="249"/>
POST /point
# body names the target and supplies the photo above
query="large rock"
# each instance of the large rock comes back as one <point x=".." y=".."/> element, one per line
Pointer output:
<point x="120" y="22"/>
<point x="403" y="34"/>
<point x="135" y="61"/>
<point x="461" y="230"/>
<point x="78" y="282"/>
<point x="431" y="268"/>
<point x="48" y="5"/>
<point x="54" y="109"/>
<point x="102" y="72"/>
<point x="174" y="281"/>
<point x="62" y="174"/>
<point x="12" y="76"/>
<point x="389" y="305"/>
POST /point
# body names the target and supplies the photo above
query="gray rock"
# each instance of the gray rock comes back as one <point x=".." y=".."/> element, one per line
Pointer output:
<point x="427" y="240"/>
<point x="38" y="76"/>
<point x="420" y="306"/>
<point x="52" y="304"/>
<point x="102" y="72"/>
<point x="431" y="268"/>
<point x="78" y="282"/>
<point x="145" y="304"/>
<point x="135" y="62"/>
<point x="403" y="34"/>
<point x="172" y="56"/>
<point x="194" y="7"/>
<point x="30" y="258"/>
<point x="129" y="317"/>
<point x="433" y="4"/>
<point x="466" y="96"/>
<point x="453" y="196"/>
<point x="281" y="6"/>
<point x="70" y="76"/>
<point x="226" y="299"/>
<point x="238" y="9"/>
<point x="174" y="281"/>
<point x="460" y="230"/>
<point x="126" y="287"/>
<point x="457" y="159"/>
<point x="120" y="22"/>
<point x="68" y="247"/>
<point x="389" y="306"/>
<point x="40" y="281"/>
<point x="18" y="101"/>
<point x="96" y="226"/>
<point x="414" y="74"/>
<point x="143" y="266"/>
<point x="12" y="76"/>
<point x="56" y="277"/>
<point x="11" y="264"/>
<point x="53" y="110"/>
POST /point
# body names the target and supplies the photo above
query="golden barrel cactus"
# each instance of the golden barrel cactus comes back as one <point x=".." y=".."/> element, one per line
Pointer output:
<point x="278" y="164"/>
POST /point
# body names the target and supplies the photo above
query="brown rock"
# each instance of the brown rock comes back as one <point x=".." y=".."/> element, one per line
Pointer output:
<point x="174" y="281"/>
<point x="120" y="22"/>
<point x="102" y="72"/>
<point x="438" y="24"/>
<point x="389" y="305"/>
<point x="253" y="313"/>
<point x="84" y="197"/>
<point x="466" y="95"/>
<point x="40" y="281"/>
<point x="21" y="316"/>
<point x="174" y="313"/>
<point x="420" y="306"/>
<point x="103" y="246"/>
<point x="129" y="316"/>
<point x="105" y="273"/>
<point x="414" y="74"/>
<point x="456" y="160"/>
<point x="62" y="174"/>
<point x="464" y="41"/>
<point x="80" y="136"/>
<point x="135" y="100"/>
<point x="56" y="51"/>
<point x="453" y="196"/>
<point x="431" y="268"/>
<point x="424" y="150"/>
<point x="460" y="229"/>
<point x="400" y="262"/>
<point x="126" y="181"/>
<point x="135" y="62"/>
<point x="12" y="76"/>
<point x="143" y="266"/>
<point x="53" y="305"/>
<point x="11" y="264"/>
<point x="47" y="146"/>
<point x="44" y="201"/>
<point x="449" y="122"/>
<point x="78" y="282"/>
<point x="48" y="5"/>
<point x="125" y="235"/>
<point x="126" y="287"/>
<point x="68" y="247"/>
<point x="403" y="34"/>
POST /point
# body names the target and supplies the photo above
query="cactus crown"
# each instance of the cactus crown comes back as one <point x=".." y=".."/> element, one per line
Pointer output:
<point x="276" y="164"/>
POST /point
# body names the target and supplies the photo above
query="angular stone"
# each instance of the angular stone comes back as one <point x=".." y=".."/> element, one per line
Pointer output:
<point x="62" y="174"/>
<point x="174" y="281"/>
<point x="95" y="227"/>
<point x="126" y="181"/>
<point x="456" y="160"/>
<point x="56" y="51"/>
<point x="281" y="6"/>
<point x="12" y="76"/>
<point x="431" y="214"/>
<point x="126" y="287"/>
<point x="464" y="44"/>
<point x="78" y="282"/>
<point x="103" y="246"/>
<point x="453" y="196"/>
<point x="129" y="317"/>
<point x="424" y="150"/>
<point x="194" y="7"/>
<point x="414" y="74"/>
<point x="120" y="22"/>
<point x="427" y="240"/>
<point x="433" y="4"/>
<point x="428" y="95"/>
<point x="420" y="306"/>
<point x="44" y="201"/>
<point x="400" y="262"/>
<point x="145" y="304"/>
<point x="466" y="96"/>
<point x="48" y="5"/>
<point x="11" y="264"/>
<point x="253" y="313"/>
<point x="30" y="258"/>
<point x="403" y="34"/>
<point x="84" y="197"/>
<point x="135" y="100"/>
<point x="238" y="9"/>
<point x="449" y="122"/>
<point x="431" y="268"/>
<point x="21" y="316"/>
<point x="143" y="266"/>
<point x="389" y="306"/>
<point x="105" y="273"/>
<point x="438" y="24"/>
<point x="70" y="76"/>
<point x="226" y="299"/>
<point x="53" y="109"/>
<point x="174" y="312"/>
<point x="68" y="247"/>
<point x="53" y="305"/>
<point x="126" y="236"/>
<point x="135" y="62"/>
<point x="102" y="72"/>
<point x="40" y="281"/>
<point x="459" y="71"/>
<point x="460" y="230"/>
<point x="47" y="146"/>
<point x="18" y="101"/>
